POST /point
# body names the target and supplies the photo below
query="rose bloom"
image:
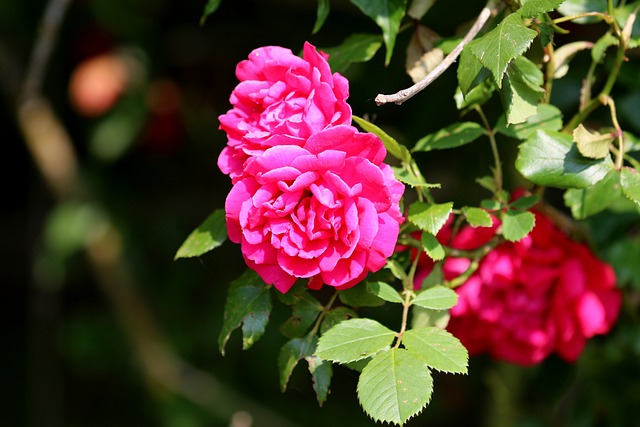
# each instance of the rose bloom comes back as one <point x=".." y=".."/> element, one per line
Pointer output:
<point x="327" y="211"/>
<point x="528" y="299"/>
<point x="281" y="99"/>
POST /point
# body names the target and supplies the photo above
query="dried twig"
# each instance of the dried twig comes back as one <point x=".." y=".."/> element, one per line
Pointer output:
<point x="403" y="95"/>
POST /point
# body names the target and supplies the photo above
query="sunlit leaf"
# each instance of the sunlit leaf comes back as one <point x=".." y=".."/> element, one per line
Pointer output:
<point x="589" y="201"/>
<point x="394" y="148"/>
<point x="432" y="246"/>
<point x="406" y="177"/>
<point x="525" y="202"/>
<point x="249" y="304"/>
<point x="551" y="158"/>
<point x="496" y="49"/>
<point x="354" y="339"/>
<point x="206" y="237"/>
<point x="471" y="72"/>
<point x="387" y="14"/>
<point x="355" y="48"/>
<point x="477" y="217"/>
<point x="385" y="291"/>
<point x="531" y="8"/>
<point x="440" y="349"/>
<point x="479" y="95"/>
<point x="517" y="224"/>
<point x="630" y="181"/>
<point x="428" y="217"/>
<point x="592" y="145"/>
<point x="548" y="117"/>
<point x="395" y="386"/>
<point x="564" y="54"/>
<point x="452" y="136"/>
<point x="520" y="96"/>
<point x="436" y="298"/>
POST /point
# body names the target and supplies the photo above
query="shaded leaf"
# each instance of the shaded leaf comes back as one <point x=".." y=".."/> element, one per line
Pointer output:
<point x="430" y="218"/>
<point x="452" y="136"/>
<point x="385" y="291"/>
<point x="592" y="145"/>
<point x="291" y="353"/>
<point x="354" y="339"/>
<point x="548" y="117"/>
<point x="496" y="49"/>
<point x="550" y="158"/>
<point x="596" y="198"/>
<point x="436" y="298"/>
<point x="355" y="48"/>
<point x="630" y="181"/>
<point x="387" y="14"/>
<point x="426" y="317"/>
<point x="576" y="7"/>
<point x="419" y="8"/>
<point x="359" y="296"/>
<point x="321" y="373"/>
<point x="432" y="246"/>
<point x="564" y="54"/>
<point x="209" y="8"/>
<point x="249" y="304"/>
<point x="440" y="349"/>
<point x="206" y="237"/>
<point x="471" y="72"/>
<point x="335" y="316"/>
<point x="305" y="312"/>
<point x="517" y="224"/>
<point x="422" y="55"/>
<point x="395" y="386"/>
<point x="321" y="15"/>
<point x="479" y="95"/>
<point x="525" y="202"/>
<point x="477" y="217"/>
<point x="394" y="148"/>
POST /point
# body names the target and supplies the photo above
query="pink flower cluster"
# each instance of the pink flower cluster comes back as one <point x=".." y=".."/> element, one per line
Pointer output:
<point x="528" y="299"/>
<point x="312" y="197"/>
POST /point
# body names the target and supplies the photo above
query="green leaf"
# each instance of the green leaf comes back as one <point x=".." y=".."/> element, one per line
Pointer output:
<point x="359" y="296"/>
<point x="496" y="49"/>
<point x="430" y="218"/>
<point x="596" y="198"/>
<point x="520" y="96"/>
<point x="69" y="225"/>
<point x="249" y="304"/>
<point x="291" y="353"/>
<point x="405" y="177"/>
<point x="321" y="15"/>
<point x="548" y="117"/>
<point x="335" y="316"/>
<point x="385" y="291"/>
<point x="479" y="95"/>
<point x="471" y="72"/>
<point x="630" y="181"/>
<point x="436" y="298"/>
<point x="525" y="202"/>
<point x="576" y="7"/>
<point x="426" y="317"/>
<point x="623" y="256"/>
<point x="305" y="312"/>
<point x="490" y="204"/>
<point x="477" y="217"/>
<point x="321" y="373"/>
<point x="440" y="349"/>
<point x="395" y="386"/>
<point x="210" y="7"/>
<point x="551" y="159"/>
<point x="387" y="14"/>
<point x="354" y="339"/>
<point x="432" y="246"/>
<point x="532" y="8"/>
<point x="394" y="148"/>
<point x="452" y="136"/>
<point x="396" y="269"/>
<point x="592" y="145"/>
<point x="517" y="224"/>
<point x="355" y="48"/>
<point x="208" y="236"/>
<point x="564" y="54"/>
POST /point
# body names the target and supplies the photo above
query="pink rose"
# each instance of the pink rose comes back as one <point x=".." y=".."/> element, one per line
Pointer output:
<point x="281" y="99"/>
<point x="327" y="211"/>
<point x="528" y="299"/>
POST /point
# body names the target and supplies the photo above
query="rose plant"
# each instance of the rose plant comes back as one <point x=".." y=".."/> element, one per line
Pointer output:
<point x="316" y="202"/>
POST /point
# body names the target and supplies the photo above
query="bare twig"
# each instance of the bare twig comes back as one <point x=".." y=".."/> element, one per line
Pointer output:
<point x="403" y="95"/>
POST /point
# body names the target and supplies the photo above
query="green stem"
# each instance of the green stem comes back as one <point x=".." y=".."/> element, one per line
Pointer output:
<point x="619" y="135"/>
<point x="322" y="315"/>
<point x="497" y="174"/>
<point x="405" y="316"/>
<point x="604" y="16"/>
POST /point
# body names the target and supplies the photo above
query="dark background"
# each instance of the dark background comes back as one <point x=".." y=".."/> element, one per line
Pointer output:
<point x="73" y="340"/>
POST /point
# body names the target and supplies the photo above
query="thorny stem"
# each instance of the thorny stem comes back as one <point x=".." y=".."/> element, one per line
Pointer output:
<point x="403" y="95"/>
